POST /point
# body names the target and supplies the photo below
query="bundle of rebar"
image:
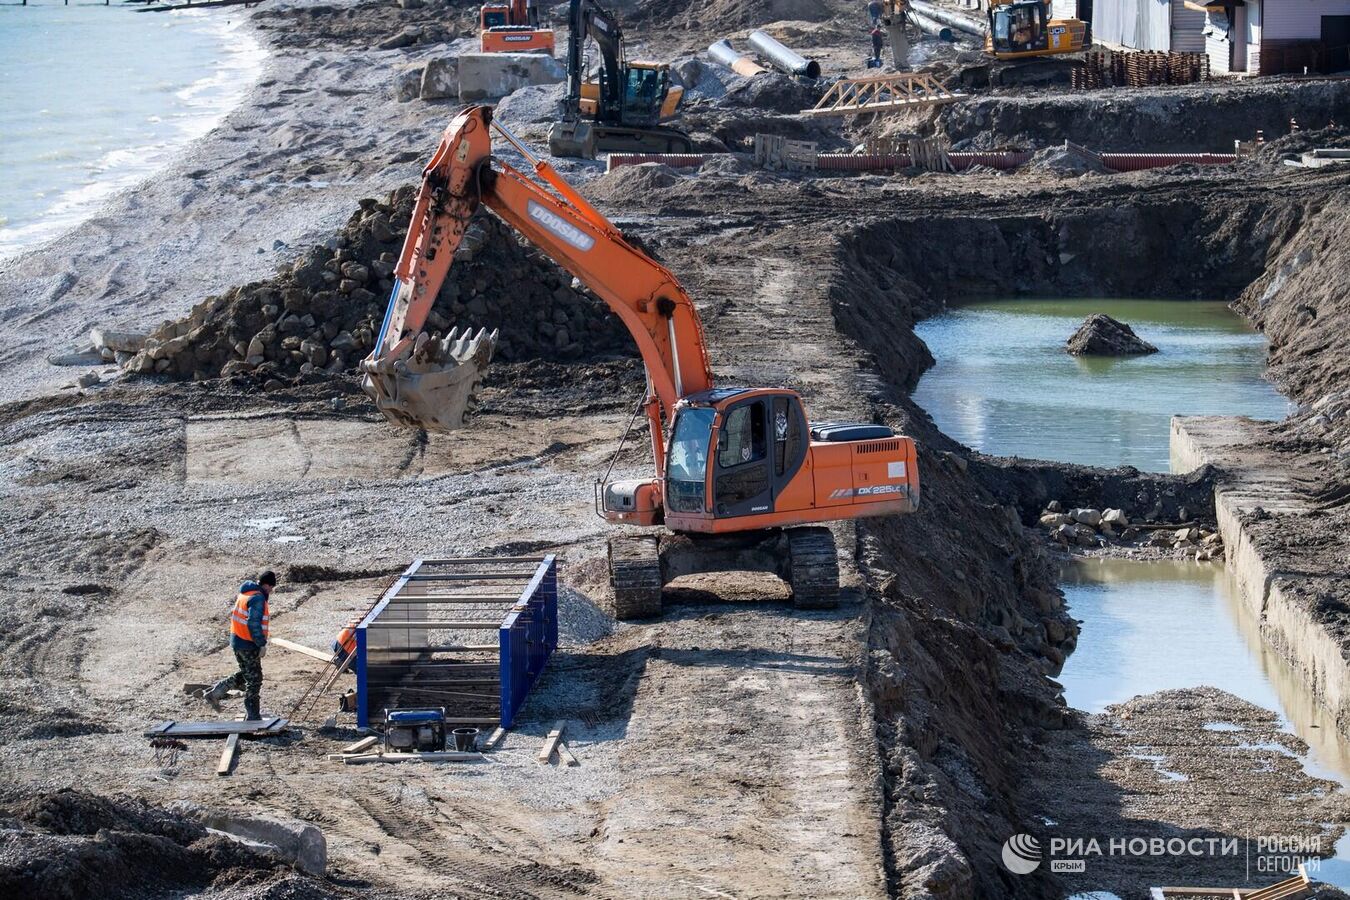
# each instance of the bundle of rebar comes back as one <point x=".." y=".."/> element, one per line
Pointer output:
<point x="1139" y="69"/>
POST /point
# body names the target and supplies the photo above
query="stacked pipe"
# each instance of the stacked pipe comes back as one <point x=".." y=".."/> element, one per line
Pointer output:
<point x="788" y="60"/>
<point x="932" y="27"/>
<point x="722" y="52"/>
<point x="964" y="24"/>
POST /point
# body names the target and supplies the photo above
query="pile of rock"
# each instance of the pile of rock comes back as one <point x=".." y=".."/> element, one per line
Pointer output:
<point x="323" y="313"/>
<point x="1083" y="527"/>
<point x="1101" y="335"/>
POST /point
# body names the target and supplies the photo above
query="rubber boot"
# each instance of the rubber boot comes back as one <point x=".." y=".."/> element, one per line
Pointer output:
<point x="252" y="710"/>
<point x="217" y="693"/>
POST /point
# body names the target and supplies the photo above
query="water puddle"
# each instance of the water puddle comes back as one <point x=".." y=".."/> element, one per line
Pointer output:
<point x="1004" y="385"/>
<point x="1153" y="626"/>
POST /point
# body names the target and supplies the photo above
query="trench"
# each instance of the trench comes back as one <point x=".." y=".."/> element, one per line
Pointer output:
<point x="1002" y="383"/>
<point x="1184" y="256"/>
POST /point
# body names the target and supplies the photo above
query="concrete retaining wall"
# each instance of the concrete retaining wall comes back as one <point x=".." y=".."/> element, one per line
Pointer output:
<point x="1268" y="591"/>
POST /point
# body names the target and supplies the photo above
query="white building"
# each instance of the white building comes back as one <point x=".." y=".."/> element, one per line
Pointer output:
<point x="1139" y="24"/>
<point x="1255" y="36"/>
<point x="1269" y="36"/>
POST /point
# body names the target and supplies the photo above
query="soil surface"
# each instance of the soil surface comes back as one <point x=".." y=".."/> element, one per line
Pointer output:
<point x="736" y="746"/>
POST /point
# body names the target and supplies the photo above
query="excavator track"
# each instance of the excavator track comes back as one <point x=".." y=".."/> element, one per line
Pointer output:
<point x="813" y="568"/>
<point x="635" y="573"/>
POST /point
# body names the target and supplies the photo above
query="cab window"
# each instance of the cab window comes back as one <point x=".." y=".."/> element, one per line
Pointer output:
<point x="494" y="19"/>
<point x="743" y="439"/>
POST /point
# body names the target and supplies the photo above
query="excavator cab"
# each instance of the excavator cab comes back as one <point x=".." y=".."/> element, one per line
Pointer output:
<point x="1024" y="28"/>
<point x="742" y="458"/>
<point x="513" y="28"/>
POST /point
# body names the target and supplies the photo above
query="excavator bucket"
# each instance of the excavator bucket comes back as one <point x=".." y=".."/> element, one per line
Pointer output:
<point x="431" y="384"/>
<point x="572" y="138"/>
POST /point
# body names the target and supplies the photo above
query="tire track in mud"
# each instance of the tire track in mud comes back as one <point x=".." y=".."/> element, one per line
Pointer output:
<point x="531" y="881"/>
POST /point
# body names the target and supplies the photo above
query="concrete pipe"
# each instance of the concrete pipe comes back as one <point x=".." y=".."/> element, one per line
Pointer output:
<point x="722" y="52"/>
<point x="957" y="21"/>
<point x="789" y="61"/>
<point x="931" y="27"/>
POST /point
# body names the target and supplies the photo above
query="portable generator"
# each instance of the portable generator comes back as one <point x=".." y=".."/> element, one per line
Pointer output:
<point x="409" y="730"/>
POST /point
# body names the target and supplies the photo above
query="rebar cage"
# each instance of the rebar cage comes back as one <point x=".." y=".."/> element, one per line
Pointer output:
<point x="427" y="642"/>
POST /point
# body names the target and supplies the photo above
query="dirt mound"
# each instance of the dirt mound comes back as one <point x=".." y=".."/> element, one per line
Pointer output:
<point x="727" y="15"/>
<point x="772" y="92"/>
<point x="1061" y="162"/>
<point x="323" y="314"/>
<point x="632" y="182"/>
<point x="1101" y="335"/>
<point x="1293" y="145"/>
<point x="380" y="24"/>
<point x="71" y="844"/>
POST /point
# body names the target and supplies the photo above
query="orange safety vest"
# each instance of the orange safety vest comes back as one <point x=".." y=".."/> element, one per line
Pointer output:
<point x="346" y="639"/>
<point x="239" y="617"/>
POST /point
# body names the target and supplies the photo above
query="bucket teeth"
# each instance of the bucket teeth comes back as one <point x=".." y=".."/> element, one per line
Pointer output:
<point x="430" y="384"/>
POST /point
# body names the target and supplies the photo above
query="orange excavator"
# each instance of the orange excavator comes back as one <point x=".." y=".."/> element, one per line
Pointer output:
<point x="742" y="478"/>
<point x="513" y="28"/>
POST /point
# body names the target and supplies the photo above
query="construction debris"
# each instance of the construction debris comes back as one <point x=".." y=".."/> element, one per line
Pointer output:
<point x="362" y="745"/>
<point x="251" y="727"/>
<point x="229" y="755"/>
<point x="778" y="153"/>
<point x="424" y="756"/>
<point x="301" y="649"/>
<point x="551" y="742"/>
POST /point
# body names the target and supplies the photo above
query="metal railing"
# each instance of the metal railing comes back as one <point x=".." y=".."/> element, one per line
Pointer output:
<point x="429" y="642"/>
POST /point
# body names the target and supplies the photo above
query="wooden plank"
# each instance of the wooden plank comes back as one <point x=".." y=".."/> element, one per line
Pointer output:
<point x="492" y="739"/>
<point x="216" y="729"/>
<point x="565" y="754"/>
<point x="551" y="742"/>
<point x="439" y="756"/>
<point x="300" y="648"/>
<point x="228" y="755"/>
<point x="363" y="744"/>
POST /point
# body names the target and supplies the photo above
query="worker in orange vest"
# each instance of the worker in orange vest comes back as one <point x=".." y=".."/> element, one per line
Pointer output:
<point x="250" y="623"/>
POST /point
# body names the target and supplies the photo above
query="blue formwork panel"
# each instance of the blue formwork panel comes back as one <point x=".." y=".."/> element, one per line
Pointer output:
<point x="526" y="637"/>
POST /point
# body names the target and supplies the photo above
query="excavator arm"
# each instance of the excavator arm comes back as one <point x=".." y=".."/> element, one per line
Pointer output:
<point x="645" y="295"/>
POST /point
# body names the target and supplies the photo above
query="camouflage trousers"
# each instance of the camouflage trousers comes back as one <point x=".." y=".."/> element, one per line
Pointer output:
<point x="248" y="679"/>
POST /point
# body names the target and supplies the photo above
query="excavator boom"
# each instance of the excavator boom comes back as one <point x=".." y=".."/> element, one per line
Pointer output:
<point x="420" y="382"/>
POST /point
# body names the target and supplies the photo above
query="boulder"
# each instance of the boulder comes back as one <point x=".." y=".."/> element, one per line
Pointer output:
<point x="1101" y="335"/>
<point x="440" y="79"/>
<point x="1116" y="518"/>
<point x="1054" y="520"/>
<point x="296" y="842"/>
<point x="405" y="38"/>
<point x="123" y="341"/>
<point x="484" y="76"/>
<point x="1090" y="517"/>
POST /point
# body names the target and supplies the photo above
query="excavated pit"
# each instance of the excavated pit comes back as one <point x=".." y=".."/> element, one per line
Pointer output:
<point x="970" y="615"/>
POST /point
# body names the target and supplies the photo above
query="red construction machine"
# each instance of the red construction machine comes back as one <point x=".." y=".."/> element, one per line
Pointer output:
<point x="742" y="479"/>
<point x="513" y="28"/>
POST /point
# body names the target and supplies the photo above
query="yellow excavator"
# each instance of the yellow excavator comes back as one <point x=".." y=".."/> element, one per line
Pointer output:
<point x="622" y="111"/>
<point x="1026" y="45"/>
<point x="1021" y="29"/>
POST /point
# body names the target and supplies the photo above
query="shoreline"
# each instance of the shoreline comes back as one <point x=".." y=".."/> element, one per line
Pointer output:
<point x="243" y="58"/>
<point x="317" y="130"/>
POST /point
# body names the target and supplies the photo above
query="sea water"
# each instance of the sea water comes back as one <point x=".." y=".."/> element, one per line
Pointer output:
<point x="96" y="98"/>
<point x="1004" y="384"/>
